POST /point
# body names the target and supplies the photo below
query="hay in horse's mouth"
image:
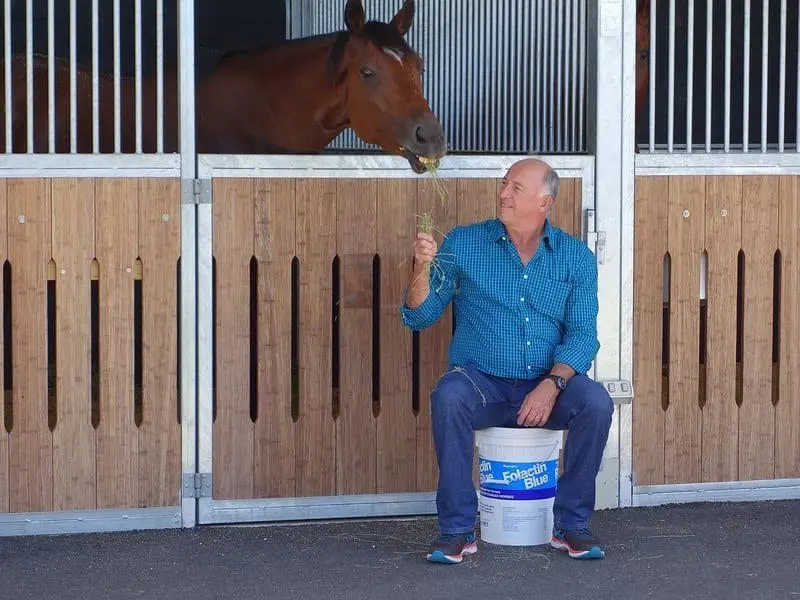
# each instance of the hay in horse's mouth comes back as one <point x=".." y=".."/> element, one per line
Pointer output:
<point x="420" y="164"/>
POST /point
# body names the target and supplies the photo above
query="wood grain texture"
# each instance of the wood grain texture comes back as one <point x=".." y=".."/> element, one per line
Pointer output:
<point x="683" y="425"/>
<point x="396" y="427"/>
<point x="233" y="428"/>
<point x="30" y="442"/>
<point x="355" y="425"/>
<point x="720" y="415"/>
<point x="787" y="413"/>
<point x="160" y="431"/>
<point x="275" y="432"/>
<point x="116" y="239"/>
<point x="760" y="204"/>
<point x="74" y="438"/>
<point x="316" y="248"/>
<point x="650" y="246"/>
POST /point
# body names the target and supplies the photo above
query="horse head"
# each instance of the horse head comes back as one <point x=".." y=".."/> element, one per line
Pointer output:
<point x="382" y="76"/>
<point x="642" y="56"/>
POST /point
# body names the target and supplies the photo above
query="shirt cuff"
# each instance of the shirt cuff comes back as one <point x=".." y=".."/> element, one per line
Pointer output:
<point x="422" y="316"/>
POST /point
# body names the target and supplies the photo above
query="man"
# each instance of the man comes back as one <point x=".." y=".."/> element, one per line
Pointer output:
<point x="525" y="305"/>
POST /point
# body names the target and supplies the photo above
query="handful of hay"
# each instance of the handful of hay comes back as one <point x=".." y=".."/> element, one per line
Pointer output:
<point x="426" y="225"/>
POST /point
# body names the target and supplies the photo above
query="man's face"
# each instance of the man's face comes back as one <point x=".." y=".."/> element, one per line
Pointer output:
<point x="521" y="203"/>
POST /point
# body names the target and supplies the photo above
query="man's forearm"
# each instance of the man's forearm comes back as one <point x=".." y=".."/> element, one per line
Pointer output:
<point x="418" y="287"/>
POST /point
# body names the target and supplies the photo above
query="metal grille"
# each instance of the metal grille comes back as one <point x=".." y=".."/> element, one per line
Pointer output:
<point x="59" y="56"/>
<point x="503" y="76"/>
<point x="723" y="77"/>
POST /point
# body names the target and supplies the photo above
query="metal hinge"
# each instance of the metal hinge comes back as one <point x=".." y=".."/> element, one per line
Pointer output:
<point x="197" y="485"/>
<point x="595" y="239"/>
<point x="196" y="191"/>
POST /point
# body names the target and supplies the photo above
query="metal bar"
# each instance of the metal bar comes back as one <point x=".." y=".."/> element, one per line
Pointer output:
<point x="559" y="54"/>
<point x="689" y="75"/>
<point x="727" y="116"/>
<point x="138" y="62"/>
<point x="709" y="65"/>
<point x="582" y="53"/>
<point x="76" y="165"/>
<point x="95" y="77"/>
<point x="746" y="86"/>
<point x="797" y="108"/>
<point x="734" y="491"/>
<point x="764" y="72"/>
<point x="551" y="53"/>
<point x="29" y="70"/>
<point x="51" y="78"/>
<point x="117" y="94"/>
<point x="186" y="67"/>
<point x="782" y="81"/>
<point x="539" y="75"/>
<point x="671" y="78"/>
<point x="89" y="521"/>
<point x="73" y="77"/>
<point x="718" y="163"/>
<point x="652" y="77"/>
<point x="9" y="83"/>
<point x="573" y="141"/>
<point x="494" y="53"/>
<point x="160" y="75"/>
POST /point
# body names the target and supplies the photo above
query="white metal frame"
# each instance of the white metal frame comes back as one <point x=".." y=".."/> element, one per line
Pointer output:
<point x="339" y="166"/>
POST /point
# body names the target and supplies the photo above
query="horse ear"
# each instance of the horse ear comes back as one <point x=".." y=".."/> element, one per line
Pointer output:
<point x="354" y="16"/>
<point x="404" y="18"/>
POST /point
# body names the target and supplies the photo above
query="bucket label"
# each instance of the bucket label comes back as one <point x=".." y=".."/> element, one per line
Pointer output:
<point x="518" y="480"/>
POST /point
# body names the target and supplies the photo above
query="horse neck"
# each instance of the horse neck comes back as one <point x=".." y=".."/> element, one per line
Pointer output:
<point x="274" y="99"/>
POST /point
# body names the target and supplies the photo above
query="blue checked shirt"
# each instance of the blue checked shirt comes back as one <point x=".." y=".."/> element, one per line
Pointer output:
<point x="513" y="320"/>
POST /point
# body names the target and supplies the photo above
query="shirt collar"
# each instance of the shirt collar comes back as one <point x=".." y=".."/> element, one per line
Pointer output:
<point x="497" y="232"/>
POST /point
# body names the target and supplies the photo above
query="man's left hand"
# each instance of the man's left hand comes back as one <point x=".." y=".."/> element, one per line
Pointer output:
<point x="538" y="405"/>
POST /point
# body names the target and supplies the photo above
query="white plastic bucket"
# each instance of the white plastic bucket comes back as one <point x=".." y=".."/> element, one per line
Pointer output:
<point x="518" y="482"/>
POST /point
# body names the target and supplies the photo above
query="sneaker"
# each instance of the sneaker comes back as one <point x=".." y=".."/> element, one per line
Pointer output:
<point x="579" y="543"/>
<point x="451" y="548"/>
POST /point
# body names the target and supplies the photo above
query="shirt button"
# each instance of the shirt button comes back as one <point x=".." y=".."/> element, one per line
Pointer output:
<point x="529" y="367"/>
<point x="524" y="276"/>
<point x="529" y="343"/>
<point x="522" y="299"/>
<point x="527" y="319"/>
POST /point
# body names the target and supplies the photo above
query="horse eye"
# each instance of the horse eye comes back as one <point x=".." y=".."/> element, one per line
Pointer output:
<point x="367" y="73"/>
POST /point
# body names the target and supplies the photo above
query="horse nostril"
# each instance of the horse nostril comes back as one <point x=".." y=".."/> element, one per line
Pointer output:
<point x="420" y="133"/>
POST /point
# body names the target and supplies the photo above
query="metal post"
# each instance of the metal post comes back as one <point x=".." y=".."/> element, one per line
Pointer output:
<point x="188" y="317"/>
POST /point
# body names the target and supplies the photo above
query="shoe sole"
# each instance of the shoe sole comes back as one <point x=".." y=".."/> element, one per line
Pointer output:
<point x="592" y="553"/>
<point x="438" y="556"/>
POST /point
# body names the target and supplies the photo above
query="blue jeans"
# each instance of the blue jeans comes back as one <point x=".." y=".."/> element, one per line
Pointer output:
<point x="466" y="399"/>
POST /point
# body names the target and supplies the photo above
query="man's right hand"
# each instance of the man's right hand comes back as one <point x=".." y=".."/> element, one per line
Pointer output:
<point x="425" y="249"/>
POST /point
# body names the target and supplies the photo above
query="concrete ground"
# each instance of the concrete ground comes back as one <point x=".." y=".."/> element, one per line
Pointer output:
<point x="742" y="551"/>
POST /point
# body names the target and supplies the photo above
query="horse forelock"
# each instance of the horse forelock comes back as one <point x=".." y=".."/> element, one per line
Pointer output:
<point x="382" y="35"/>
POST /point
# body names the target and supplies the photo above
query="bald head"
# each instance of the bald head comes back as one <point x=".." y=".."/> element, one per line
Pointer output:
<point x="539" y="173"/>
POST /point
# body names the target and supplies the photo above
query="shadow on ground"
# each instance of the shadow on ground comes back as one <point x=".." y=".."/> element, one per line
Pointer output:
<point x="744" y="551"/>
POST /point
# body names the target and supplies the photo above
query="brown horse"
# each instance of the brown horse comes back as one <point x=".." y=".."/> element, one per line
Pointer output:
<point x="294" y="96"/>
<point x="642" y="57"/>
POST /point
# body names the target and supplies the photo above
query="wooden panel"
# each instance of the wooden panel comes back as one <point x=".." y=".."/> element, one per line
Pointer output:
<point x="787" y="414"/>
<point x="396" y="427"/>
<point x="316" y="247"/>
<point x="4" y="481"/>
<point x="683" y="426"/>
<point x="566" y="213"/>
<point x="116" y="203"/>
<point x="760" y="200"/>
<point x="159" y="432"/>
<point x="721" y="414"/>
<point x="30" y="442"/>
<point x="434" y="341"/>
<point x="274" y="460"/>
<point x="650" y="246"/>
<point x="355" y="425"/>
<point x="233" y="427"/>
<point x="74" y="445"/>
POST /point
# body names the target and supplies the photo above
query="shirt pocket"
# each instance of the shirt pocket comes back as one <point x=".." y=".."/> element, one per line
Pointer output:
<point x="549" y="296"/>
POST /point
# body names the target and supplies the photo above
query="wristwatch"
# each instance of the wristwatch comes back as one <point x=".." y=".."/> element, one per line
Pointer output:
<point x="561" y="383"/>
